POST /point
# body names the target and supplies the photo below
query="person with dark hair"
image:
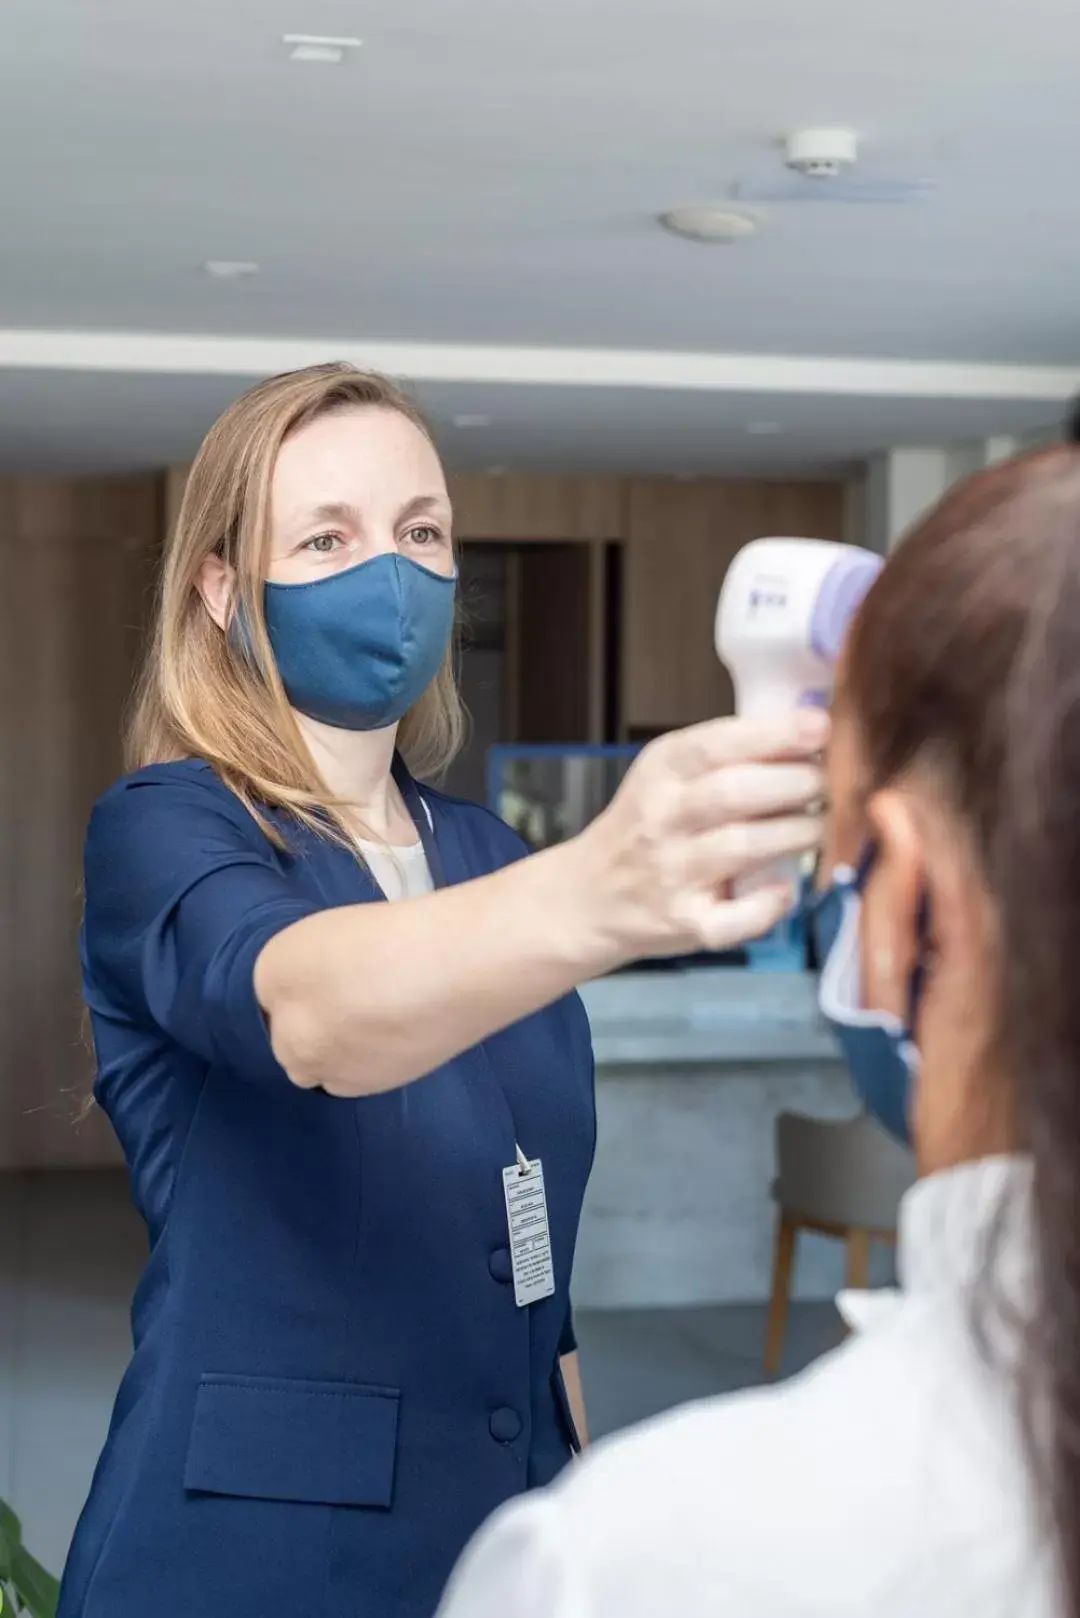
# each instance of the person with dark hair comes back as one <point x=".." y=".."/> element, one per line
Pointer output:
<point x="930" y="1467"/>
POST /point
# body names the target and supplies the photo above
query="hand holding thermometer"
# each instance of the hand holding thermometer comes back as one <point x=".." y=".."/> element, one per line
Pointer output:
<point x="783" y="614"/>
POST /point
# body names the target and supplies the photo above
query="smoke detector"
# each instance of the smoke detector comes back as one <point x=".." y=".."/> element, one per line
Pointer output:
<point x="708" y="223"/>
<point x="825" y="166"/>
<point x="821" y="154"/>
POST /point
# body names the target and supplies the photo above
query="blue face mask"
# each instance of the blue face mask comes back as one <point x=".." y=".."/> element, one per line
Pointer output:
<point x="356" y="649"/>
<point x="880" y="1048"/>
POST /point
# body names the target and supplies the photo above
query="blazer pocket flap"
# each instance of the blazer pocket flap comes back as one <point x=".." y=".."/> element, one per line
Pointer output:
<point x="271" y="1438"/>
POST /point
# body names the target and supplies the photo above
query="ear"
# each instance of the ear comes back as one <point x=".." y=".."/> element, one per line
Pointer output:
<point x="890" y="911"/>
<point x="215" y="582"/>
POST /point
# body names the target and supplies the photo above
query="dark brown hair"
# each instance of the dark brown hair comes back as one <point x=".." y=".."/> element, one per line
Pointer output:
<point x="966" y="654"/>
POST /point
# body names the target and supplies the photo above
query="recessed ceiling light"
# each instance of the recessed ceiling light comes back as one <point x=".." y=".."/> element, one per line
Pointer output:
<point x="706" y="223"/>
<point x="466" y="421"/>
<point x="763" y="429"/>
<point x="330" y="48"/>
<point x="230" y="269"/>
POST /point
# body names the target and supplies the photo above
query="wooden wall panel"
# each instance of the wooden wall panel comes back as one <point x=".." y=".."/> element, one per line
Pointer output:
<point x="78" y="557"/>
<point x="524" y="505"/>
<point x="680" y="539"/>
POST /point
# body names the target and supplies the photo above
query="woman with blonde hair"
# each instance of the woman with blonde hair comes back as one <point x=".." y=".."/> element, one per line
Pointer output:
<point x="353" y="1338"/>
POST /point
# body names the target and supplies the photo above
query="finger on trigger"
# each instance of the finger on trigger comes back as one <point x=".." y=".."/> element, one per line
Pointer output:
<point x="734" y="851"/>
<point x="802" y="733"/>
<point x="750" y="792"/>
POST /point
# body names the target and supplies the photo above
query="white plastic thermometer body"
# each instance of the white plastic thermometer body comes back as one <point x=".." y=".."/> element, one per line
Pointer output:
<point x="781" y="621"/>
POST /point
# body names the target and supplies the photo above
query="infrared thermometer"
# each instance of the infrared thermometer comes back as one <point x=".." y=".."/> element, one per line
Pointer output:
<point x="782" y="618"/>
<point x="784" y="612"/>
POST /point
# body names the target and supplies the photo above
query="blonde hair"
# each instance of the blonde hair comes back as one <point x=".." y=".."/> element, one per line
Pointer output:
<point x="200" y="695"/>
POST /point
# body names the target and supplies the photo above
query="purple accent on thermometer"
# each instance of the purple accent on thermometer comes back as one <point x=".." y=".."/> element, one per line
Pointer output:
<point x="814" y="699"/>
<point x="839" y="599"/>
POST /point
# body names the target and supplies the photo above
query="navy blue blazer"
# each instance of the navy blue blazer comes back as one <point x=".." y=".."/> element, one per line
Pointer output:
<point x="331" y="1385"/>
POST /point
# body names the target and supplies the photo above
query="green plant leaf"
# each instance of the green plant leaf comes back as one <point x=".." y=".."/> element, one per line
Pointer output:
<point x="37" y="1590"/>
<point x="10" y="1536"/>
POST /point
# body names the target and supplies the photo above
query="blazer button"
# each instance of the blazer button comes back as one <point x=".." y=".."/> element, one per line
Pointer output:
<point x="505" y="1425"/>
<point x="500" y="1266"/>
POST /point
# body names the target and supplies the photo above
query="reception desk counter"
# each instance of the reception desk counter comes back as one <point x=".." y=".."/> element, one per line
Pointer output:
<point x="692" y="1068"/>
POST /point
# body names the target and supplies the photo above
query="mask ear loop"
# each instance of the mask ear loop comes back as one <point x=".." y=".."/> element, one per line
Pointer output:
<point x="812" y="898"/>
<point x="917" y="981"/>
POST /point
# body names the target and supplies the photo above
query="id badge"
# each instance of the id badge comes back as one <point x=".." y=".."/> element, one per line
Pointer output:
<point x="530" y="1238"/>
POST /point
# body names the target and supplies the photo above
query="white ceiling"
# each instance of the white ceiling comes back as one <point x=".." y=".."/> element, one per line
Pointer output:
<point x="487" y="173"/>
<point x="79" y="421"/>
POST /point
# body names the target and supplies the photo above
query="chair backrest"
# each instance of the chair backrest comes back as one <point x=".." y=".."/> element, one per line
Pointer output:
<point x="840" y="1171"/>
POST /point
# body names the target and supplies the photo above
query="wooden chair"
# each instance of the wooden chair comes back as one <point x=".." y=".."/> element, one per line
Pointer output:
<point x="841" y="1178"/>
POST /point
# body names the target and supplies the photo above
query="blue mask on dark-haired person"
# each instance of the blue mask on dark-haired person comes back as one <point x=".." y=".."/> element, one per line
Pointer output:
<point x="356" y="649"/>
<point x="879" y="1047"/>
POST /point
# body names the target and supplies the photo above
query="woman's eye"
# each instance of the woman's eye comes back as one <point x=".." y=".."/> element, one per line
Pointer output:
<point x="322" y="544"/>
<point x="424" y="535"/>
